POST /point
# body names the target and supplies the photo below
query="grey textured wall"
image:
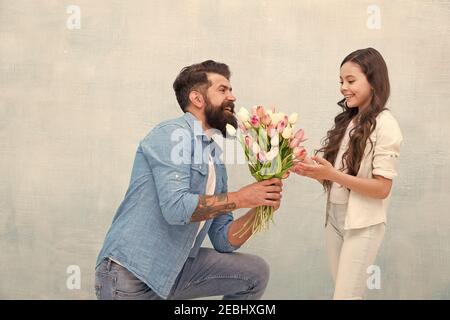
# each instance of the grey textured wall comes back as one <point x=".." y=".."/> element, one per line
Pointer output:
<point x="74" y="103"/>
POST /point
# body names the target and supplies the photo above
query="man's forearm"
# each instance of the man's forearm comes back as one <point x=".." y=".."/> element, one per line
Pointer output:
<point x="211" y="206"/>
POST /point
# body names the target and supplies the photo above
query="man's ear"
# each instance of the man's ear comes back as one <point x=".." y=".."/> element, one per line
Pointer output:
<point x="196" y="99"/>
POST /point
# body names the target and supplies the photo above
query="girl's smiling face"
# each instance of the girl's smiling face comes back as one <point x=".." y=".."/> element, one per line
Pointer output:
<point x="354" y="86"/>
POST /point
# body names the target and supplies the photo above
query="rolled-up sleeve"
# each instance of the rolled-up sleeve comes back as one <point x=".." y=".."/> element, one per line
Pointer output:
<point x="168" y="152"/>
<point x="387" y="148"/>
<point x="218" y="232"/>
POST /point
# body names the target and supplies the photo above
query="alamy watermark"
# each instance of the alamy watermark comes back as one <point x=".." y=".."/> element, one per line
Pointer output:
<point x="374" y="280"/>
<point x="73" y="281"/>
<point x="374" y="20"/>
<point x="74" y="20"/>
<point x="224" y="150"/>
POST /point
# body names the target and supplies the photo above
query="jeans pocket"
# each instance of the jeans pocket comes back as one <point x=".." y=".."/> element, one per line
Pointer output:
<point x="130" y="287"/>
<point x="104" y="285"/>
<point x="134" y="290"/>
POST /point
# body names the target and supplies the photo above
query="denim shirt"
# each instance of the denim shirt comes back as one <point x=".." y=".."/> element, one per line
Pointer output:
<point x="151" y="234"/>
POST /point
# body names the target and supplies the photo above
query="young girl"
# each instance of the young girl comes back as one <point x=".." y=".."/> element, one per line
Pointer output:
<point x="364" y="146"/>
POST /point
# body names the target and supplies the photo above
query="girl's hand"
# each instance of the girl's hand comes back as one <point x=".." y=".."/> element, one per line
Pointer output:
<point x="315" y="168"/>
<point x="302" y="157"/>
<point x="296" y="169"/>
<point x="308" y="160"/>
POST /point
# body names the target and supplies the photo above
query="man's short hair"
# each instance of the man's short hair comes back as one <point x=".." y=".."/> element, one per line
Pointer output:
<point x="194" y="77"/>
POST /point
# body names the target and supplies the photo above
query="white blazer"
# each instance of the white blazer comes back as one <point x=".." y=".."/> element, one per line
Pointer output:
<point x="363" y="211"/>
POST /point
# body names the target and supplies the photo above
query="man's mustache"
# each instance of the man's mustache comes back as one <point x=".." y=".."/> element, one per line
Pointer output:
<point x="228" y="104"/>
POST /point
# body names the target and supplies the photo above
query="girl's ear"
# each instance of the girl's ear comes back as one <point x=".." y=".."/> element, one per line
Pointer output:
<point x="196" y="99"/>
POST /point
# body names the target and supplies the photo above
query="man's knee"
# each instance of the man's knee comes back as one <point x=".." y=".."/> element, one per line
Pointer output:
<point x="259" y="270"/>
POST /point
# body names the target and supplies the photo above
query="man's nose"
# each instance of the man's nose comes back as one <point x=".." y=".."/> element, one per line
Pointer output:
<point x="231" y="97"/>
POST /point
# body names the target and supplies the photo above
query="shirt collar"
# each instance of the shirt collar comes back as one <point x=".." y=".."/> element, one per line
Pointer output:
<point x="198" y="131"/>
<point x="196" y="127"/>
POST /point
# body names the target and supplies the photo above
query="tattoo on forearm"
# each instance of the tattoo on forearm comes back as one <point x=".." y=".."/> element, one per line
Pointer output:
<point x="211" y="206"/>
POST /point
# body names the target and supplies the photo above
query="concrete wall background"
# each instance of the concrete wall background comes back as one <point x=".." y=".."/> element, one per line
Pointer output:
<point x="74" y="104"/>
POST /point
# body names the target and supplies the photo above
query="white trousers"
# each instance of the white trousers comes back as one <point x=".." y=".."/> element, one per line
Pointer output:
<point x="350" y="253"/>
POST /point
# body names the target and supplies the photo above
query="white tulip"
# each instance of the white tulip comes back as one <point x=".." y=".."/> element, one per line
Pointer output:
<point x="275" y="118"/>
<point x="272" y="117"/>
<point x="293" y="118"/>
<point x="244" y="111"/>
<point x="231" y="130"/>
<point x="255" y="148"/>
<point x="272" y="154"/>
<point x="275" y="141"/>
<point x="243" y="116"/>
<point x="287" y="132"/>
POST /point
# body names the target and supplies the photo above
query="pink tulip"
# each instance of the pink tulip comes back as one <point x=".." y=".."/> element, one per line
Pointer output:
<point x="262" y="157"/>
<point x="243" y="128"/>
<point x="271" y="130"/>
<point x="302" y="156"/>
<point x="282" y="125"/>
<point x="299" y="135"/>
<point x="260" y="112"/>
<point x="294" y="143"/>
<point x="266" y="120"/>
<point x="254" y="120"/>
<point x="248" y="141"/>
<point x="299" y="153"/>
<point x="254" y="108"/>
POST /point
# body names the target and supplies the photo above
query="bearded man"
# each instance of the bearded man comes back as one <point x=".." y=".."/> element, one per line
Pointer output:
<point x="177" y="195"/>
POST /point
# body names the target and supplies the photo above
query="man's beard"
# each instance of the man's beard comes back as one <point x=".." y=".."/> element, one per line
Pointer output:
<point x="217" y="117"/>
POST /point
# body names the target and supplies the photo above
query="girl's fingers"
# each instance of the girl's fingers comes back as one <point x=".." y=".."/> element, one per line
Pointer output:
<point x="308" y="169"/>
<point x="320" y="160"/>
<point x="305" y="166"/>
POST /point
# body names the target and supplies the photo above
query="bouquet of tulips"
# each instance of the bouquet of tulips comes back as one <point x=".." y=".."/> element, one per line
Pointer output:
<point x="271" y="147"/>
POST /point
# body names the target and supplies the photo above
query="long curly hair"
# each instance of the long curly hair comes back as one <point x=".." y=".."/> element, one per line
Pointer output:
<point x="374" y="67"/>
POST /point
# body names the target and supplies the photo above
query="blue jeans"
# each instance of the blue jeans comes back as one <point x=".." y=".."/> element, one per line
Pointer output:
<point x="235" y="276"/>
